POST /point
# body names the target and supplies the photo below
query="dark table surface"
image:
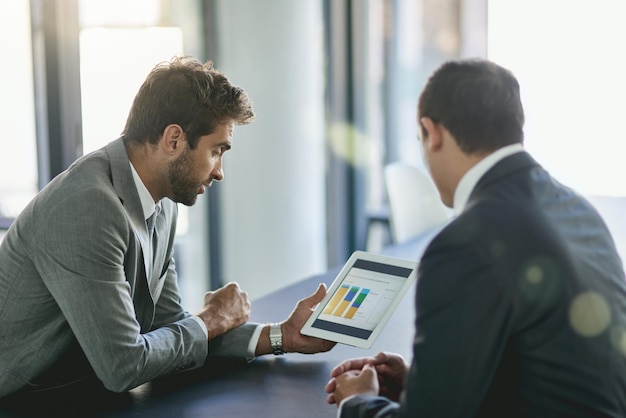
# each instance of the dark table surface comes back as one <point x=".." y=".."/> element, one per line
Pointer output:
<point x="286" y="386"/>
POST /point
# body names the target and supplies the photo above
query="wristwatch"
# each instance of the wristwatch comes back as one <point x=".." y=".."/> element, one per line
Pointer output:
<point x="276" y="339"/>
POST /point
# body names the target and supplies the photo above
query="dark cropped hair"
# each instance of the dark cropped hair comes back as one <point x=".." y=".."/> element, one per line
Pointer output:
<point x="189" y="93"/>
<point x="477" y="101"/>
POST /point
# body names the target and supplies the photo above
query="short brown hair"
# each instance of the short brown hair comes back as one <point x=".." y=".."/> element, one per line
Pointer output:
<point x="189" y="93"/>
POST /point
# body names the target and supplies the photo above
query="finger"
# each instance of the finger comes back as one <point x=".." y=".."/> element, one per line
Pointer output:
<point x="368" y="373"/>
<point x="344" y="366"/>
<point x="330" y="386"/>
<point x="231" y="284"/>
<point x="331" y="398"/>
<point x="351" y="364"/>
<point x="316" y="297"/>
<point x="337" y="370"/>
<point x="328" y="345"/>
<point x="369" y="370"/>
<point x="381" y="358"/>
<point x="340" y="368"/>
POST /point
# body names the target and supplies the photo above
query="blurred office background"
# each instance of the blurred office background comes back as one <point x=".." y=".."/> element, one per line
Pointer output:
<point x="334" y="85"/>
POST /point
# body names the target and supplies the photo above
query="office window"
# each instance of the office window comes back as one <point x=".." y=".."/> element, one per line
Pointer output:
<point x="571" y="66"/>
<point x="396" y="45"/>
<point x="114" y="63"/>
<point x="18" y="158"/>
<point x="120" y="42"/>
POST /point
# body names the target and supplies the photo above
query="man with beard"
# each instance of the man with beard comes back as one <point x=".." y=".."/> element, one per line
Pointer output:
<point x="88" y="286"/>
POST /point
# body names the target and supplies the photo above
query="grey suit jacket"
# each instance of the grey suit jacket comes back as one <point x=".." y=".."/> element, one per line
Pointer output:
<point x="73" y="280"/>
<point x="520" y="308"/>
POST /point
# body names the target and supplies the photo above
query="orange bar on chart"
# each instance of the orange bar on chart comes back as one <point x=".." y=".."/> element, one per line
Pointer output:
<point x="328" y="310"/>
<point x="342" y="307"/>
<point x="357" y="303"/>
<point x="346" y="301"/>
<point x="351" y="312"/>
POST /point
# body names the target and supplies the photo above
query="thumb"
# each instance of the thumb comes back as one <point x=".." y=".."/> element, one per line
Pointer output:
<point x="369" y="369"/>
<point x="317" y="297"/>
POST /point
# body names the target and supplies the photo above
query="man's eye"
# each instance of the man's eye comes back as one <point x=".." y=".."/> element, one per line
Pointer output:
<point x="220" y="151"/>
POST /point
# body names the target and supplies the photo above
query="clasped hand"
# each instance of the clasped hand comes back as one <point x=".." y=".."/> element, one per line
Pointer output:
<point x="382" y="375"/>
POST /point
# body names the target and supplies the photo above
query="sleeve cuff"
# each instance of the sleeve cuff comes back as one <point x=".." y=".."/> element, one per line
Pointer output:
<point x="254" y="341"/>
<point x="343" y="401"/>
<point x="202" y="325"/>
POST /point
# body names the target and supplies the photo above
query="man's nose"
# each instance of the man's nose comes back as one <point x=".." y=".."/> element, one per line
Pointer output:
<point x="218" y="173"/>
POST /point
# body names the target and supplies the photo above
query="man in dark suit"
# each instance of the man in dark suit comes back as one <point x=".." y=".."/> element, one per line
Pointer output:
<point x="521" y="299"/>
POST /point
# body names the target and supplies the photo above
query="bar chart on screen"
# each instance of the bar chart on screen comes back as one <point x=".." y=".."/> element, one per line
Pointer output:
<point x="344" y="303"/>
<point x="361" y="299"/>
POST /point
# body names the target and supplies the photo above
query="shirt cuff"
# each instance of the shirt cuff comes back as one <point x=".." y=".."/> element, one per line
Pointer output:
<point x="202" y="325"/>
<point x="254" y="341"/>
<point x="344" y="400"/>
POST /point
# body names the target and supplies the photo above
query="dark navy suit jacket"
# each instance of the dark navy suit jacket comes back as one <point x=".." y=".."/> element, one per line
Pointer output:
<point x="520" y="308"/>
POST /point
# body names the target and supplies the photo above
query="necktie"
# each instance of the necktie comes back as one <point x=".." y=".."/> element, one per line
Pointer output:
<point x="150" y="223"/>
<point x="152" y="236"/>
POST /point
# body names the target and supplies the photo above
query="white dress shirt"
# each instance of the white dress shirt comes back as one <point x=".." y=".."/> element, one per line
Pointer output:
<point x="149" y="207"/>
<point x="474" y="174"/>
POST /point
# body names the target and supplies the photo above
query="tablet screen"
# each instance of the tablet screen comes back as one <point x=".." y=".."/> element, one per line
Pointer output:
<point x="361" y="299"/>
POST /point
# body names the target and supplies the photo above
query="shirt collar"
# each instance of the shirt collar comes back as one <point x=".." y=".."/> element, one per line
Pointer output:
<point x="147" y="203"/>
<point x="471" y="177"/>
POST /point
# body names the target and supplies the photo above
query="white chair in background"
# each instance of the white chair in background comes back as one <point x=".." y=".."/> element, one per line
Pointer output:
<point x="414" y="203"/>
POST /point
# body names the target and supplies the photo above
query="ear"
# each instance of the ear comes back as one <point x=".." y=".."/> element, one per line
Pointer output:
<point x="433" y="137"/>
<point x="174" y="139"/>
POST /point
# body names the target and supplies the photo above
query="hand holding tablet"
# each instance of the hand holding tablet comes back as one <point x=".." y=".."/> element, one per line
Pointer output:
<point x="361" y="299"/>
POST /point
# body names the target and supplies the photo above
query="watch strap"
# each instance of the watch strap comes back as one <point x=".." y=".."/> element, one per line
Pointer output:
<point x="276" y="339"/>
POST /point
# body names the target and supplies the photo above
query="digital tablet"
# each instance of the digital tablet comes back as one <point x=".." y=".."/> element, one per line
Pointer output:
<point x="361" y="299"/>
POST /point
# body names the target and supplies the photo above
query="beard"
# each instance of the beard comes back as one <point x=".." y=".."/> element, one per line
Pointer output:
<point x="184" y="187"/>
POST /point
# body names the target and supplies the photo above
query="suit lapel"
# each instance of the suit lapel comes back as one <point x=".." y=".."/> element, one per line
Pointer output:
<point x="124" y="185"/>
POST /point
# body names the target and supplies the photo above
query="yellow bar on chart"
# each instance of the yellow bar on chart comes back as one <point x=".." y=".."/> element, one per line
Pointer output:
<point x="357" y="303"/>
<point x="346" y="301"/>
<point x="336" y="299"/>
<point x="342" y="307"/>
<point x="351" y="312"/>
